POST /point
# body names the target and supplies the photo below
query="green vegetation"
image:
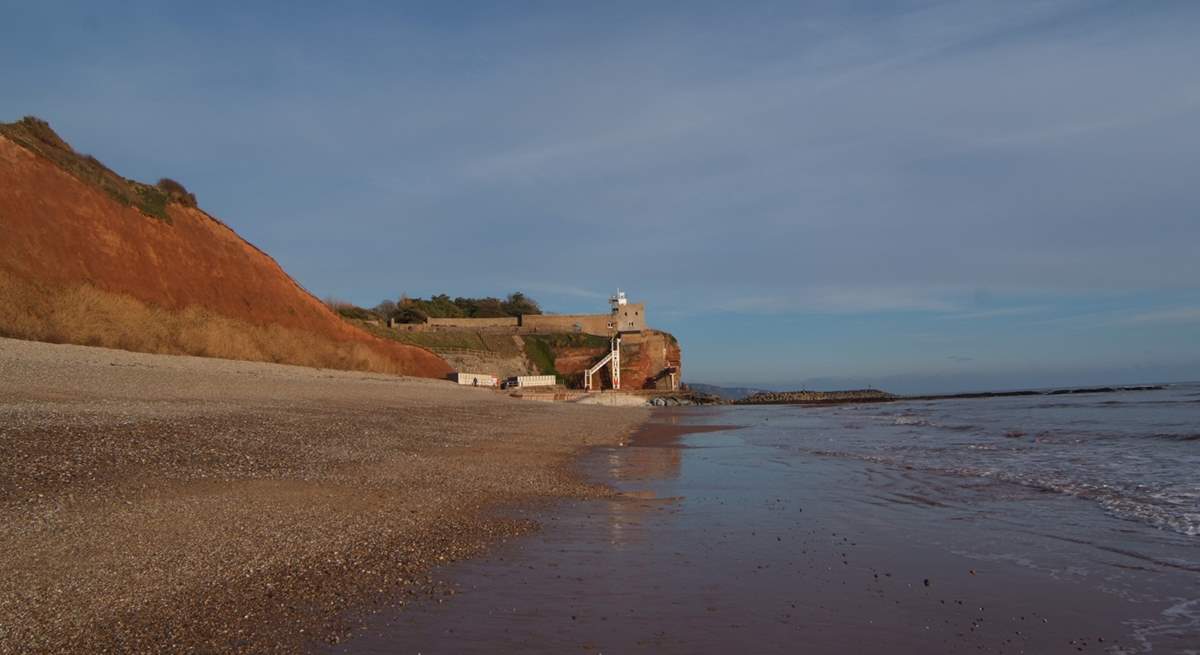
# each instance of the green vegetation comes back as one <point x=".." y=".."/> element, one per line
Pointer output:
<point x="541" y="354"/>
<point x="418" y="310"/>
<point x="541" y="349"/>
<point x="435" y="341"/>
<point x="350" y="311"/>
<point x="571" y="340"/>
<point x="502" y="344"/>
<point x="497" y="344"/>
<point x="36" y="135"/>
<point x="176" y="192"/>
<point x="153" y="202"/>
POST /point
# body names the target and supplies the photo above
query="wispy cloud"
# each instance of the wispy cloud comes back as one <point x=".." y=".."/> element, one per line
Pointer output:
<point x="995" y="313"/>
<point x="842" y="300"/>
<point x="1170" y="315"/>
<point x="562" y="290"/>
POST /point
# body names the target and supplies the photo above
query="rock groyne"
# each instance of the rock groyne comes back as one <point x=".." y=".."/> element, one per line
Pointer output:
<point x="816" y="397"/>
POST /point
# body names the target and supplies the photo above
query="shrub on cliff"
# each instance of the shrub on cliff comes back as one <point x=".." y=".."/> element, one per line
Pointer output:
<point x="349" y="310"/>
<point x="518" y="304"/>
<point x="385" y="308"/>
<point x="176" y="192"/>
<point x="409" y="315"/>
<point x="42" y="132"/>
<point x="36" y="135"/>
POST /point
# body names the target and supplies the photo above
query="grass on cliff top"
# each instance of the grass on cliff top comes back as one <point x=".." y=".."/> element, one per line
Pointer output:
<point x="571" y="340"/>
<point x="500" y="345"/>
<point x="540" y="349"/>
<point x="431" y="340"/>
<point x="36" y="135"/>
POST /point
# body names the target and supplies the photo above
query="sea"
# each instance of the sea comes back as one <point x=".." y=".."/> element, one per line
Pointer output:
<point x="1136" y="454"/>
<point x="1030" y="524"/>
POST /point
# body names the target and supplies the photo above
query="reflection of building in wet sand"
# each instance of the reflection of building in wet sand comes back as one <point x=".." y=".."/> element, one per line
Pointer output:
<point x="655" y="462"/>
<point x="633" y="464"/>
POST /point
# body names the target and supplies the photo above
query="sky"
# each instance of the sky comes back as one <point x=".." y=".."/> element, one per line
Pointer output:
<point x="922" y="196"/>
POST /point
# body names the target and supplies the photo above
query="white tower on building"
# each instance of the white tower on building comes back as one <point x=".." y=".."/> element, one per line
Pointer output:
<point x="618" y="301"/>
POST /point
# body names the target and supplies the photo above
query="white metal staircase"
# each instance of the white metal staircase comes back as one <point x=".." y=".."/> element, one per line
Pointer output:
<point x="613" y="359"/>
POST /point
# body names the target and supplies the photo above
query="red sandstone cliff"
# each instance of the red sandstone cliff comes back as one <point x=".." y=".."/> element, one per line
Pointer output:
<point x="644" y="357"/>
<point x="77" y="264"/>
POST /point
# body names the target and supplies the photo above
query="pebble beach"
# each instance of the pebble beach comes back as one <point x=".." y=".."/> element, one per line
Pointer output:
<point x="176" y="504"/>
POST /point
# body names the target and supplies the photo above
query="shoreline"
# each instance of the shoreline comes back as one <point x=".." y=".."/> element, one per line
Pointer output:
<point x="660" y="433"/>
<point x="172" y="503"/>
<point x="711" y="546"/>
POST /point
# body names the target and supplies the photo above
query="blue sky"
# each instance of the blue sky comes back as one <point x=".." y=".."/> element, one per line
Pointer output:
<point x="924" y="196"/>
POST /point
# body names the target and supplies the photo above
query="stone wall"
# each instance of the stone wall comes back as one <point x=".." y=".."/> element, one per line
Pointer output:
<point x="504" y="321"/>
<point x="630" y="318"/>
<point x="588" y="323"/>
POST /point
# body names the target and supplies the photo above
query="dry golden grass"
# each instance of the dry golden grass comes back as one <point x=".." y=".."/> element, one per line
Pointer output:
<point x="89" y="316"/>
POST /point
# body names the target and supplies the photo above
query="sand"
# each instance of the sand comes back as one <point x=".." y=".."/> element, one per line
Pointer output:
<point x="166" y="504"/>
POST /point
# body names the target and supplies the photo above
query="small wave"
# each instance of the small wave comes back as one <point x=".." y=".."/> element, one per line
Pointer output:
<point x="917" y="421"/>
<point x="1175" y="436"/>
<point x="967" y="427"/>
<point x="1114" y="501"/>
<point x="1138" y="403"/>
<point x="1179" y="620"/>
<point x="1164" y="511"/>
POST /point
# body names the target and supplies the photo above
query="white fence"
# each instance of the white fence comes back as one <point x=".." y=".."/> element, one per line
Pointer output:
<point x="536" y="381"/>
<point x="476" y="379"/>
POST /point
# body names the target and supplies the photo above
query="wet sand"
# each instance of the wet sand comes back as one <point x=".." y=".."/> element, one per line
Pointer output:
<point x="719" y="545"/>
<point x="177" y="504"/>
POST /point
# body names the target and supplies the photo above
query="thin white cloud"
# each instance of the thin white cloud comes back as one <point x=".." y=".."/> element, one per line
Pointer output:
<point x="996" y="313"/>
<point x="562" y="290"/>
<point x="841" y="300"/>
<point x="1170" y="315"/>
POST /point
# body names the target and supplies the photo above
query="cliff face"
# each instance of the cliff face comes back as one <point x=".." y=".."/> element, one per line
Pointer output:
<point x="79" y="264"/>
<point x="644" y="357"/>
<point x="502" y="353"/>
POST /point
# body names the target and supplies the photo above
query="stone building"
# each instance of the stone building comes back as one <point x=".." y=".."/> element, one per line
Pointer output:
<point x="623" y="317"/>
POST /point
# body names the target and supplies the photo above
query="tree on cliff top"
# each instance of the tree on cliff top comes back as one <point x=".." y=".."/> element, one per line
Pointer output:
<point x="409" y="310"/>
<point x="518" y="304"/>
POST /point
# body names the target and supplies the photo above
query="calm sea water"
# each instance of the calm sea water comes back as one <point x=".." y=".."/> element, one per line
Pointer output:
<point x="1011" y="525"/>
<point x="1135" y="453"/>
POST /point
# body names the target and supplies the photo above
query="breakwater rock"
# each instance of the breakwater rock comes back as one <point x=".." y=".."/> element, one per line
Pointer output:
<point x="816" y="397"/>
